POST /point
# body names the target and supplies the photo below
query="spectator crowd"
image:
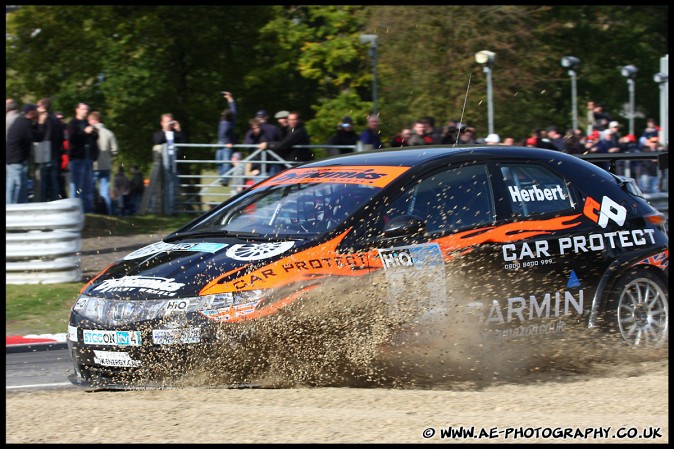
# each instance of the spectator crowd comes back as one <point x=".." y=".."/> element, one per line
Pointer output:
<point x="48" y="158"/>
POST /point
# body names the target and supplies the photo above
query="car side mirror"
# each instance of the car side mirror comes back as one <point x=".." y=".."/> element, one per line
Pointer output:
<point x="404" y="225"/>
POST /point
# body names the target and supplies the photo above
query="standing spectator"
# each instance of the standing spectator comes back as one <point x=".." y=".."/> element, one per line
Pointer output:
<point x="83" y="149"/>
<point x="254" y="136"/>
<point x="370" y="136"/>
<point x="171" y="133"/>
<point x="648" y="178"/>
<point x="434" y="133"/>
<point x="107" y="150"/>
<point x="64" y="172"/>
<point x="121" y="190"/>
<point x="598" y="119"/>
<point x="555" y="138"/>
<point x="136" y="189"/>
<point x="282" y="119"/>
<point x="226" y="137"/>
<point x="572" y="143"/>
<point x="467" y="135"/>
<point x="605" y="146"/>
<point x="270" y="131"/>
<point x="20" y="137"/>
<point x="451" y="133"/>
<point x="419" y="135"/>
<point x="50" y="180"/>
<point x="11" y="114"/>
<point x="287" y="148"/>
<point x="402" y="139"/>
<point x="652" y="130"/>
<point x="492" y="139"/>
<point x="345" y="135"/>
<point x="510" y="141"/>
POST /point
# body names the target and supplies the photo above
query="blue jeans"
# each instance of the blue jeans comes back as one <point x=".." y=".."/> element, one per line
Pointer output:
<point x="82" y="182"/>
<point x="103" y="179"/>
<point x="17" y="183"/>
<point x="223" y="156"/>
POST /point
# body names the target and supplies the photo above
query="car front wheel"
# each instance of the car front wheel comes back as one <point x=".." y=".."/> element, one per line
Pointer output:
<point x="638" y="309"/>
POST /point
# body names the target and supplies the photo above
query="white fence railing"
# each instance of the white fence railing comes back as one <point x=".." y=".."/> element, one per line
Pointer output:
<point x="43" y="241"/>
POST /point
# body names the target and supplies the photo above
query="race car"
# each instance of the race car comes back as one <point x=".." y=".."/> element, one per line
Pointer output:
<point x="521" y="243"/>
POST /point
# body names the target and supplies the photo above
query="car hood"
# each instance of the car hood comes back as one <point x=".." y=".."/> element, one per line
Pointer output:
<point x="183" y="269"/>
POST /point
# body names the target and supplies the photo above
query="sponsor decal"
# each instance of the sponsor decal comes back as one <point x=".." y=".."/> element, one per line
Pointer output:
<point x="534" y="193"/>
<point x="122" y="359"/>
<point x="72" y="333"/>
<point x="532" y="330"/>
<point x="607" y="210"/>
<point x="573" y="280"/>
<point x="145" y="284"/>
<point x="111" y="338"/>
<point x="530" y="309"/>
<point x="257" y="251"/>
<point x="166" y="247"/>
<point x="176" y="305"/>
<point x="415" y="271"/>
<point x="530" y="251"/>
<point x="230" y="313"/>
<point x="660" y="260"/>
<point x="377" y="176"/>
<point x="176" y="336"/>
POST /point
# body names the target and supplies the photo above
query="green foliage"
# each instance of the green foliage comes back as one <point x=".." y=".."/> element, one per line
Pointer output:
<point x="134" y="63"/>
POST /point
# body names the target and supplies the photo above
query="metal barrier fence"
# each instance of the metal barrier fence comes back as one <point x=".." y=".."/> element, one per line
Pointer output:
<point x="174" y="190"/>
<point x="43" y="241"/>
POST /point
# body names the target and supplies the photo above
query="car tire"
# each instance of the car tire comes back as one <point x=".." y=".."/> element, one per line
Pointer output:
<point x="638" y="309"/>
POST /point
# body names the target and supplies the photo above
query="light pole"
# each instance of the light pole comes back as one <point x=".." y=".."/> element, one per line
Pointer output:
<point x="571" y="63"/>
<point x="372" y="40"/>
<point x="630" y="72"/>
<point x="663" y="80"/>
<point x="486" y="58"/>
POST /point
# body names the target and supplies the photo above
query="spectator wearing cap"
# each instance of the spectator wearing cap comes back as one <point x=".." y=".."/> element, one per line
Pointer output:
<point x="287" y="148"/>
<point x="282" y="120"/>
<point x="26" y="129"/>
<point x="345" y="135"/>
<point x="270" y="131"/>
<point x="492" y="139"/>
<point x="605" y="146"/>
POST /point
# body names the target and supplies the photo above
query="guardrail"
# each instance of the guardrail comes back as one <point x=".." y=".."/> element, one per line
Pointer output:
<point x="43" y="241"/>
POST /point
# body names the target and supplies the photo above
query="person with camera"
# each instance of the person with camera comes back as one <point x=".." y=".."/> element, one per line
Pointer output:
<point x="226" y="137"/>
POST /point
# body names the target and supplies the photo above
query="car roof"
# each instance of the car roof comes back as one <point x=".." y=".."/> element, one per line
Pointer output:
<point x="414" y="156"/>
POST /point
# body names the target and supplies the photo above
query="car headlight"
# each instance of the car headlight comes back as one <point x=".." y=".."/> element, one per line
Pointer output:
<point x="121" y="311"/>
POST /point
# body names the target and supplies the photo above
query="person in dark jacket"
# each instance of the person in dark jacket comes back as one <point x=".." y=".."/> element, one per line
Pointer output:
<point x="20" y="137"/>
<point x="345" y="135"/>
<point x="227" y="137"/>
<point x="287" y="147"/>
<point x="53" y="132"/>
<point x="83" y="151"/>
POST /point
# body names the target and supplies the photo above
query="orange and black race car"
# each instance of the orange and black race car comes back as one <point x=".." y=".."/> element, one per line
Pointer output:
<point x="532" y="242"/>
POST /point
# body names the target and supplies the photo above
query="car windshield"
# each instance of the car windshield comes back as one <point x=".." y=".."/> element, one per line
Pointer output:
<point x="307" y="208"/>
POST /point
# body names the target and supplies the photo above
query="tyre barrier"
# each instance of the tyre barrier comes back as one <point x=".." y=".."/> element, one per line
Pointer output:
<point x="43" y="242"/>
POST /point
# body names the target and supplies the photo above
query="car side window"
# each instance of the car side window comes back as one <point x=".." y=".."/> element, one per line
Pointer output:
<point x="533" y="189"/>
<point x="455" y="198"/>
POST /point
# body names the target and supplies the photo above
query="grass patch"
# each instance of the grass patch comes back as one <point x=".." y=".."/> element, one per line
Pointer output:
<point x="44" y="308"/>
<point x="108" y="225"/>
<point x="39" y="308"/>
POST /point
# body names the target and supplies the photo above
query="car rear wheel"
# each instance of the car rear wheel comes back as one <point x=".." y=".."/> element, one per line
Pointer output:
<point x="638" y="309"/>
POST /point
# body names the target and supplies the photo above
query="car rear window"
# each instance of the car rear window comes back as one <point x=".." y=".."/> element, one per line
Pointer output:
<point x="533" y="190"/>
